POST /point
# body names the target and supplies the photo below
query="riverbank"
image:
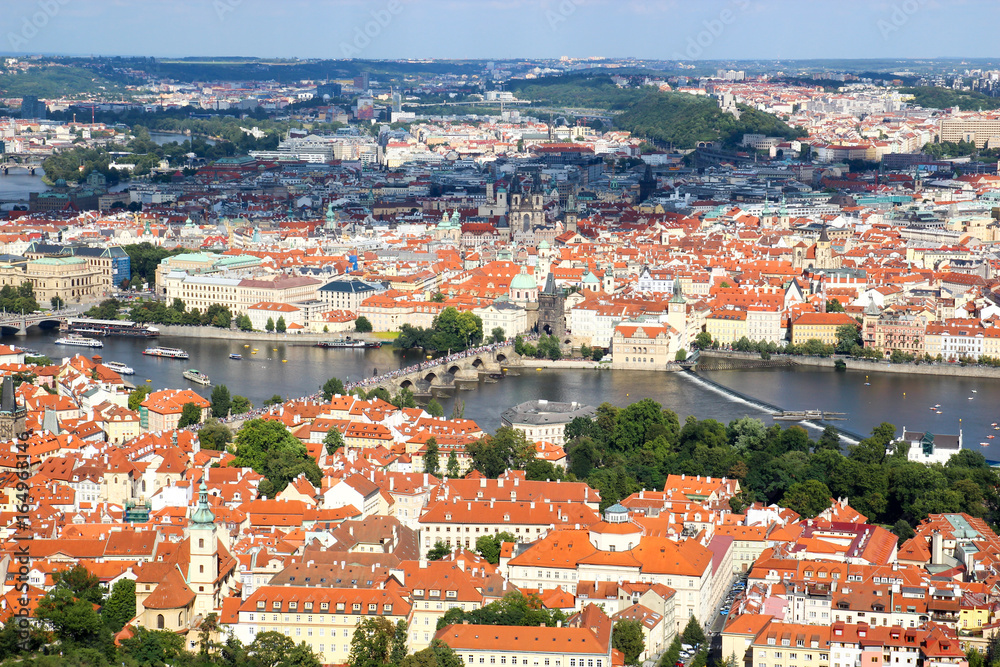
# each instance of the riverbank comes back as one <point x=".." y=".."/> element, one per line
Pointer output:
<point x="231" y="334"/>
<point x="863" y="365"/>
<point x="528" y="363"/>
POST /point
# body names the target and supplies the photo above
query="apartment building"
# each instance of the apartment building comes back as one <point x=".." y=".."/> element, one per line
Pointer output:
<point x="238" y="294"/>
<point x="323" y="618"/>
<point x="616" y="549"/>
<point x="821" y="326"/>
<point x="955" y="339"/>
<point x="459" y="523"/>
<point x="980" y="128"/>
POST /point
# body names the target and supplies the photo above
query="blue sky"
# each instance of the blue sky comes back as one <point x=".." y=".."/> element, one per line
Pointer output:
<point x="667" y="29"/>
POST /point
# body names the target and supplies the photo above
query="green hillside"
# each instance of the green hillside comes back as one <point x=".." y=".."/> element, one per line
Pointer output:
<point x="930" y="97"/>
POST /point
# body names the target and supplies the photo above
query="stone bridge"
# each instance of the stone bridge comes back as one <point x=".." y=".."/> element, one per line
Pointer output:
<point x="18" y="323"/>
<point x="444" y="375"/>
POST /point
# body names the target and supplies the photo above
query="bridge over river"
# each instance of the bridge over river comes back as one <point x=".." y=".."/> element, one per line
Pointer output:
<point x="18" y="323"/>
<point x="445" y="373"/>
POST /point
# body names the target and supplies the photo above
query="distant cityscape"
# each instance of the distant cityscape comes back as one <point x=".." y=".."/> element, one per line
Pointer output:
<point x="455" y="224"/>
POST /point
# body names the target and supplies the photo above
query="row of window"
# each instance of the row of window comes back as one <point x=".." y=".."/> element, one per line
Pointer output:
<point x="324" y="606"/>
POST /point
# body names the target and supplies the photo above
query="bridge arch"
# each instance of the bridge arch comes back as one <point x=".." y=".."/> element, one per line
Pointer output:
<point x="478" y="363"/>
<point x="454" y="369"/>
<point x="431" y="377"/>
<point x="501" y="357"/>
<point x="406" y="384"/>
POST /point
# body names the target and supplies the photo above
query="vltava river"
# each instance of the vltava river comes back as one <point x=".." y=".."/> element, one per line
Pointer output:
<point x="306" y="368"/>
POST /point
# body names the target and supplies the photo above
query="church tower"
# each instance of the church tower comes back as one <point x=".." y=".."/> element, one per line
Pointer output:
<point x="677" y="311"/>
<point x="12" y="415"/>
<point x="824" y="251"/>
<point x="203" y="568"/>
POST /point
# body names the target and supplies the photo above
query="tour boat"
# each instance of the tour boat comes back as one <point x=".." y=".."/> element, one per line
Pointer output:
<point x="168" y="352"/>
<point x="341" y="342"/>
<point x="990" y="437"/>
<point x="938" y="412"/>
<point x="110" y="327"/>
<point x="73" y="339"/>
<point x="984" y="444"/>
<point x="195" y="375"/>
<point x="235" y="357"/>
<point x="120" y="368"/>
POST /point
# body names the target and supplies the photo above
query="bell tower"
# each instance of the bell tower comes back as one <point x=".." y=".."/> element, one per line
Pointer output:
<point x="203" y="568"/>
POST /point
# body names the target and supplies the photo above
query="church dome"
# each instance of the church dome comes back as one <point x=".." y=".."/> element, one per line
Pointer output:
<point x="591" y="279"/>
<point x="523" y="281"/>
<point x="544" y="245"/>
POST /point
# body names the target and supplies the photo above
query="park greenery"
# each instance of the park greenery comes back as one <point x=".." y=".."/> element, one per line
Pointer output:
<point x="158" y="312"/>
<point x="623" y="450"/>
<point x="145" y="257"/>
<point x="451" y="331"/>
<point x="678" y="119"/>
<point x="933" y="97"/>
<point x="20" y="299"/>
<point x="513" y="609"/>
<point x="546" y="348"/>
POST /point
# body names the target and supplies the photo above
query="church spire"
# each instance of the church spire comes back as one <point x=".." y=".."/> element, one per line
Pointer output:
<point x="203" y="517"/>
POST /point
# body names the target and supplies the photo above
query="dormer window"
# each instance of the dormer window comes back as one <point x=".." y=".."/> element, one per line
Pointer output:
<point x="261" y="604"/>
<point x="323" y="606"/>
<point x="372" y="607"/>
<point x="276" y="605"/>
<point x="506" y="518"/>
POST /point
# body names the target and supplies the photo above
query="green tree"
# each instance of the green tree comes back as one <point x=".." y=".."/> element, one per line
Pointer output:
<point x="120" y="606"/>
<point x="58" y="303"/>
<point x="681" y="355"/>
<point x="241" y="405"/>
<point x="703" y="340"/>
<point x="488" y="546"/>
<point x="71" y="618"/>
<point x="438" y="654"/>
<point x="214" y="435"/>
<point x="432" y="462"/>
<point x="222" y="402"/>
<point x="137" y="396"/>
<point x="154" y="647"/>
<point x="626" y="636"/>
<point x="808" y="498"/>
<point x="270" y="449"/>
<point x="404" y="398"/>
<point x="507" y="449"/>
<point x="830" y="439"/>
<point x="243" y="322"/>
<point x="434" y="408"/>
<point x="693" y="634"/>
<point x="362" y="325"/>
<point x="438" y="551"/>
<point x="275" y="399"/>
<point x="377" y="642"/>
<point x="848" y="336"/>
<point x="280" y="326"/>
<point x="333" y="441"/>
<point x="190" y="415"/>
<point x="453" y="467"/>
<point x="833" y="306"/>
<point x="274" y="649"/>
<point x="541" y="470"/>
<point x="269" y="326"/>
<point x="497" y="335"/>
<point x="332" y="387"/>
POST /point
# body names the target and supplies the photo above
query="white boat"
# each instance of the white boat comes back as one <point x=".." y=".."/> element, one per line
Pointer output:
<point x="120" y="368"/>
<point x="195" y="375"/>
<point x="79" y="340"/>
<point x="168" y="352"/>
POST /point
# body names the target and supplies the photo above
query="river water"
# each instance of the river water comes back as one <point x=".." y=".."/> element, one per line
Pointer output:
<point x="18" y="184"/>
<point x="306" y="368"/>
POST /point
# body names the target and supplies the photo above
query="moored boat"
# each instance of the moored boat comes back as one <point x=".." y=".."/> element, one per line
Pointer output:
<point x="168" y="352"/>
<point x="120" y="368"/>
<point x="236" y="357"/>
<point x="195" y="375"/>
<point x="342" y="343"/>
<point x="80" y="341"/>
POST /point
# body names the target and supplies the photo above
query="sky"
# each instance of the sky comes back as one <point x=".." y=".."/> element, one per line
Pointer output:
<point x="500" y="29"/>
